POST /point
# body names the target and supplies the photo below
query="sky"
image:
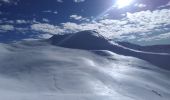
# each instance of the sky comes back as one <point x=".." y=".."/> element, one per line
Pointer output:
<point x="144" y="22"/>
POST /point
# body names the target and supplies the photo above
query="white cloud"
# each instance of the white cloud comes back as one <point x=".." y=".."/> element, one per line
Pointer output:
<point x="6" y="28"/>
<point x="134" y="23"/>
<point x="140" y="5"/>
<point x="49" y="11"/>
<point x="72" y="27"/>
<point x="76" y="17"/>
<point x="22" y="30"/>
<point x="15" y="2"/>
<point x="78" y="1"/>
<point x="156" y="37"/>
<point x="8" y="21"/>
<point x="45" y="36"/>
<point x="45" y="20"/>
<point x="55" y="12"/>
<point x="22" y="21"/>
<point x="79" y="18"/>
<point x="143" y="24"/>
<point x="164" y="6"/>
<point x="168" y="4"/>
<point x="47" y="28"/>
<point x="6" y="1"/>
<point x="60" y="1"/>
<point x="106" y="30"/>
<point x="150" y="19"/>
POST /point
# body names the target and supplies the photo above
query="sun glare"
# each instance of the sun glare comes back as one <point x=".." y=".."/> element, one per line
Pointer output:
<point x="123" y="3"/>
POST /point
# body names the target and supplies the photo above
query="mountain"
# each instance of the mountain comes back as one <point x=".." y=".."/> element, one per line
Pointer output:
<point x="91" y="40"/>
<point x="87" y="40"/>
<point x="152" y="48"/>
<point x="80" y="66"/>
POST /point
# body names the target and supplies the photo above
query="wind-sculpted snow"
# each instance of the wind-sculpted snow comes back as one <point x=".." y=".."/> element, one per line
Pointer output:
<point x="38" y="70"/>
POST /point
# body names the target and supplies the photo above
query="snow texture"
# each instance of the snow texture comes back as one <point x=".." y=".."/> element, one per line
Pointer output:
<point x="62" y="68"/>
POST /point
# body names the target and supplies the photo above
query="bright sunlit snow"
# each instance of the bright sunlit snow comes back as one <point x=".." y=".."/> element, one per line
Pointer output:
<point x="84" y="49"/>
<point x="37" y="70"/>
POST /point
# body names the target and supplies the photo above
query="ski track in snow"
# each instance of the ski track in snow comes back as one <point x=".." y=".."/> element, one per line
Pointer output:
<point x="40" y="71"/>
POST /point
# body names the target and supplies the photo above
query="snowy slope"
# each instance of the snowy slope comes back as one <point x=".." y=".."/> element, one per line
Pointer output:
<point x="37" y="70"/>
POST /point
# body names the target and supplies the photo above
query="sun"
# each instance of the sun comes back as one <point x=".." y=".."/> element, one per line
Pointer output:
<point x="123" y="3"/>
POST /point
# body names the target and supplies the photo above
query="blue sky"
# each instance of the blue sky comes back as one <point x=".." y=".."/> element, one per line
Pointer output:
<point x="144" y="22"/>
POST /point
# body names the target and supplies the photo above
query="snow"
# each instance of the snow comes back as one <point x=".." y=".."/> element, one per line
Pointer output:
<point x="37" y="70"/>
<point x="47" y="72"/>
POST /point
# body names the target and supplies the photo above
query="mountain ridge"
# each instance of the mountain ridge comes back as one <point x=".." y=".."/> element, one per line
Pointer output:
<point x="86" y="40"/>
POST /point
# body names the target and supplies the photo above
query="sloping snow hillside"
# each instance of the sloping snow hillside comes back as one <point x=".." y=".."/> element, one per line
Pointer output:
<point x="39" y="70"/>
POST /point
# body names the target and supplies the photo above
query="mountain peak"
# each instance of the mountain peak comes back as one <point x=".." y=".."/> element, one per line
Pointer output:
<point x="88" y="40"/>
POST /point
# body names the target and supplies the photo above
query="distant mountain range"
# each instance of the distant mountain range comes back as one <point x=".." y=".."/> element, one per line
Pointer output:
<point x="152" y="48"/>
